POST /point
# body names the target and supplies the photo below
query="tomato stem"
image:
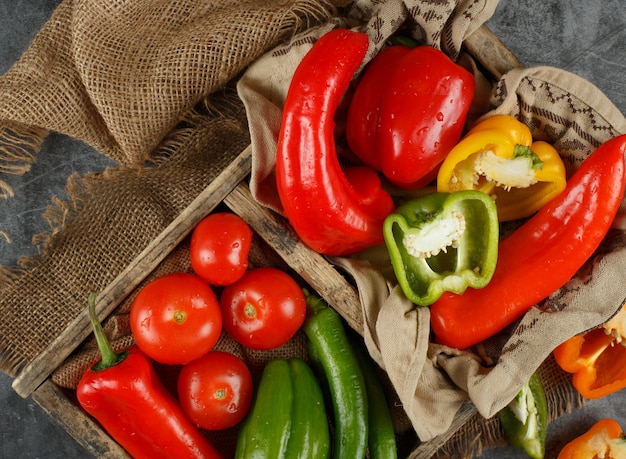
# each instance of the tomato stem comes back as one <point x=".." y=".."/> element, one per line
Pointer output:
<point x="249" y="310"/>
<point x="180" y="316"/>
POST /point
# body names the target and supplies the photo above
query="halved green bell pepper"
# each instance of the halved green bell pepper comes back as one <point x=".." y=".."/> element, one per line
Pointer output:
<point x="443" y="242"/>
<point x="525" y="419"/>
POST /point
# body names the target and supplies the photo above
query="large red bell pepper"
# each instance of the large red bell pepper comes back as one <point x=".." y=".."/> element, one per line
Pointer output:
<point x="334" y="212"/>
<point x="408" y="111"/>
<point x="541" y="255"/>
<point x="123" y="392"/>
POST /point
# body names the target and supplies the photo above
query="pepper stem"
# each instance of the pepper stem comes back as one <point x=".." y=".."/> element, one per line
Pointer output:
<point x="314" y="303"/>
<point x="109" y="356"/>
<point x="403" y="40"/>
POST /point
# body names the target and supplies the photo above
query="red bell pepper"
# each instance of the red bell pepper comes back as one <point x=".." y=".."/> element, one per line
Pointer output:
<point x="123" y="392"/>
<point x="541" y="255"/>
<point x="408" y="111"/>
<point x="604" y="439"/>
<point x="332" y="211"/>
<point x="596" y="358"/>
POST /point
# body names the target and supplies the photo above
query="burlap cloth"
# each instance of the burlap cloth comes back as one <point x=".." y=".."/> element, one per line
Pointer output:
<point x="151" y="84"/>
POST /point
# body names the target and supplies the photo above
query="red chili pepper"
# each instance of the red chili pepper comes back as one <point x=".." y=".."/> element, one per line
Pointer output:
<point x="333" y="212"/>
<point x="541" y="255"/>
<point x="123" y="392"/>
<point x="408" y="111"/>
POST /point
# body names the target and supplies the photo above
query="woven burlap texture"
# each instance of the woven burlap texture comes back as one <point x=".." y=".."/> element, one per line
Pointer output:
<point x="106" y="86"/>
<point x="145" y="83"/>
<point x="433" y="381"/>
<point x="119" y="75"/>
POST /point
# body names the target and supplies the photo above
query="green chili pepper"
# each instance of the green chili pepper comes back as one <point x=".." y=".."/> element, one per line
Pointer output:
<point x="310" y="436"/>
<point x="330" y="347"/>
<point x="443" y="242"/>
<point x="525" y="419"/>
<point x="381" y="435"/>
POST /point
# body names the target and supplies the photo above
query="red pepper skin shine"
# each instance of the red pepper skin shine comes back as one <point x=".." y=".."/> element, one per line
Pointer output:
<point x="123" y="392"/>
<point x="541" y="255"/>
<point x="129" y="401"/>
<point x="333" y="212"/>
<point x="408" y="111"/>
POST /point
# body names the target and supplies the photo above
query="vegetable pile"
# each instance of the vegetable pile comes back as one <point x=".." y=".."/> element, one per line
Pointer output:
<point x="436" y="194"/>
<point x="445" y="246"/>
<point x="451" y="188"/>
<point x="329" y="404"/>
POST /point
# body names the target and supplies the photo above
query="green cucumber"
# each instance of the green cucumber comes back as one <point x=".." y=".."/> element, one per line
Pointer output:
<point x="329" y="341"/>
<point x="264" y="432"/>
<point x="309" y="437"/>
<point x="288" y="416"/>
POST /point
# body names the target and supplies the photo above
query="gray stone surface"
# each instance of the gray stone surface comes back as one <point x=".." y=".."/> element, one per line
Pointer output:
<point x="586" y="38"/>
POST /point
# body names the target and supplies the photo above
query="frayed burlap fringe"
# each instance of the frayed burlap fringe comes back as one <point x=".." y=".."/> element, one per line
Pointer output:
<point x="71" y="80"/>
<point x="107" y="221"/>
<point x="99" y="73"/>
<point x="18" y="146"/>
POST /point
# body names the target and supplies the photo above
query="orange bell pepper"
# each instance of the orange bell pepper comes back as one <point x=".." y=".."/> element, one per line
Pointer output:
<point x="604" y="439"/>
<point x="597" y="358"/>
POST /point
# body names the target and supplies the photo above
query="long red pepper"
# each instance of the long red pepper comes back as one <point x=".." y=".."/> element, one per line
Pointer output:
<point x="123" y="392"/>
<point x="332" y="211"/>
<point x="541" y="255"/>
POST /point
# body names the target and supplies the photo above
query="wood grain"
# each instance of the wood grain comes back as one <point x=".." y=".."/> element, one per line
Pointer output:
<point x="314" y="268"/>
<point x="80" y="328"/>
<point x="76" y="422"/>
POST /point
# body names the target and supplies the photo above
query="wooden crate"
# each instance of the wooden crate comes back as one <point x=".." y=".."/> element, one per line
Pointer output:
<point x="229" y="188"/>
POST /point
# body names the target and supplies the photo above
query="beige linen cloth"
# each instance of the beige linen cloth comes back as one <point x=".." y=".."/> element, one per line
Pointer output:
<point x="433" y="381"/>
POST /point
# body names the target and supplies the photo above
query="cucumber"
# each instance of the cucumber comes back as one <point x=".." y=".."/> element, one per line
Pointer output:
<point x="264" y="432"/>
<point x="288" y="416"/>
<point x="309" y="437"/>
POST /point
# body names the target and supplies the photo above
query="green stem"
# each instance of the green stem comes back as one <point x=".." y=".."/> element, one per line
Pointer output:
<point x="109" y="356"/>
<point x="314" y="303"/>
<point x="403" y="40"/>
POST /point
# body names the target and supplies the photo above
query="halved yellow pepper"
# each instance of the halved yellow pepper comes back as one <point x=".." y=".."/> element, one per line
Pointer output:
<point x="498" y="156"/>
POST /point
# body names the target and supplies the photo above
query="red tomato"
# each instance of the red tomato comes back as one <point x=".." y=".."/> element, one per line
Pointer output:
<point x="215" y="391"/>
<point x="176" y="318"/>
<point x="263" y="309"/>
<point x="219" y="248"/>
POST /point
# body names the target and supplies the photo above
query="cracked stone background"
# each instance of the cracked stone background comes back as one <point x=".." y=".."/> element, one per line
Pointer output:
<point x="586" y="38"/>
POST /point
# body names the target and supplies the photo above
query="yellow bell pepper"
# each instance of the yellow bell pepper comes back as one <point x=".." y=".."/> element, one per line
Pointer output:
<point x="498" y="157"/>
